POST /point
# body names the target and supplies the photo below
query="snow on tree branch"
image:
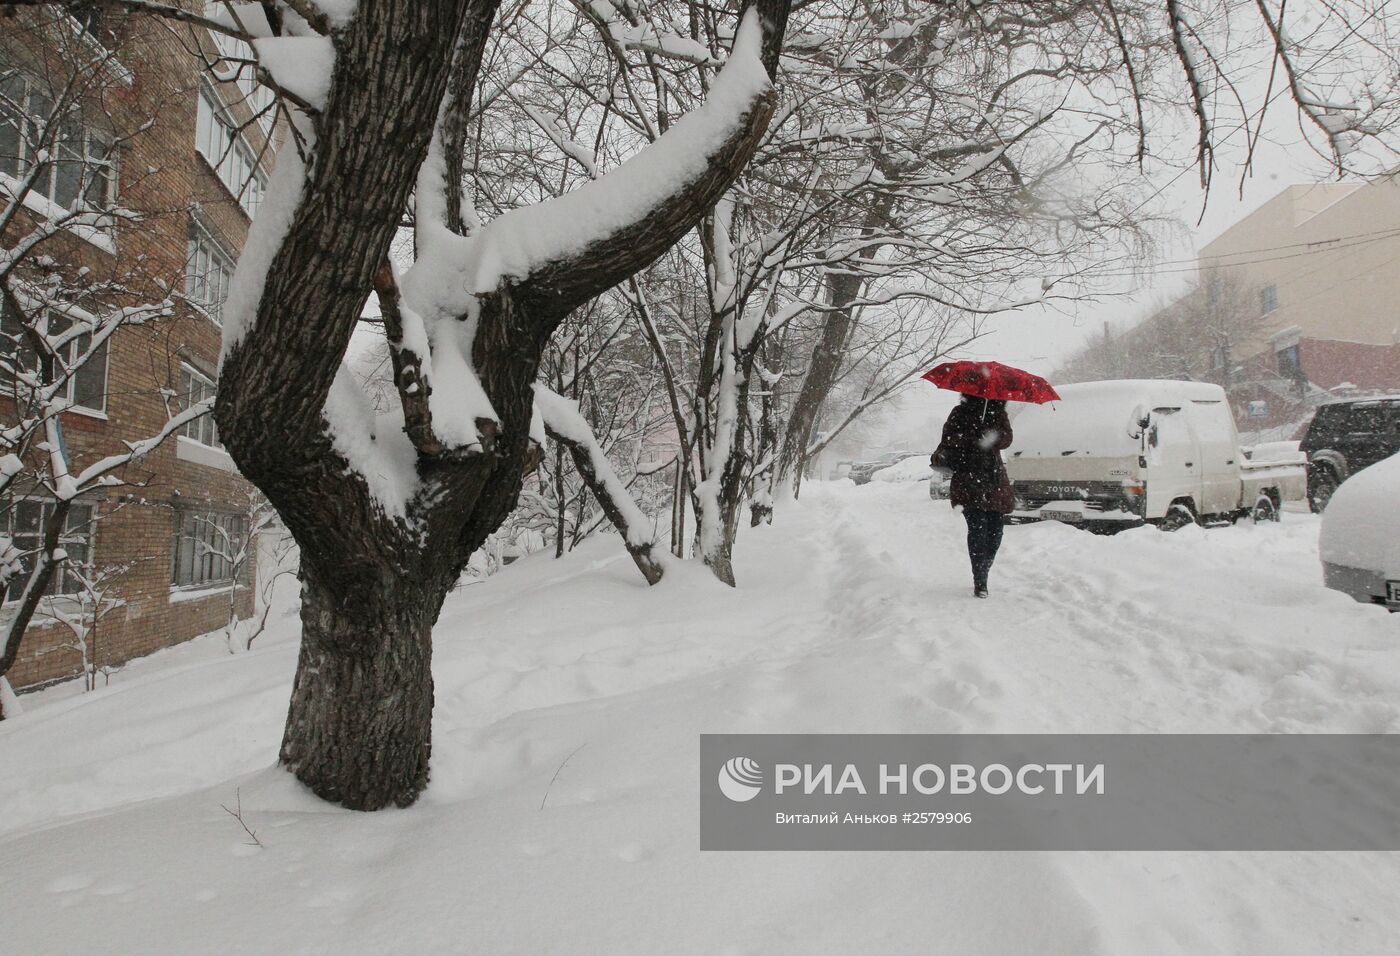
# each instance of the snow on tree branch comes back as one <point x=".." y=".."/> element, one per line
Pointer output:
<point x="525" y="242"/>
<point x="564" y="423"/>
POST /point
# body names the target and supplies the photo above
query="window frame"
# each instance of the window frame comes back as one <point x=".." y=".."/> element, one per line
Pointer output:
<point x="73" y="346"/>
<point x="59" y="584"/>
<point x="196" y="281"/>
<point x="200" y="572"/>
<point x="248" y="184"/>
<point x="239" y="54"/>
<point x="44" y="191"/>
<point x="203" y="430"/>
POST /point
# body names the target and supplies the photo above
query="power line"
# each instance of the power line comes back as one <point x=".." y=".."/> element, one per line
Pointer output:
<point x="1377" y="233"/>
<point x="1334" y="247"/>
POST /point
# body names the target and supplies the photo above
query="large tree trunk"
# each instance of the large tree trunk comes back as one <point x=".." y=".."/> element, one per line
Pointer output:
<point x="822" y="371"/>
<point x="359" y="729"/>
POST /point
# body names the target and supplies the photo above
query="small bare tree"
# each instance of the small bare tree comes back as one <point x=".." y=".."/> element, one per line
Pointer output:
<point x="83" y="610"/>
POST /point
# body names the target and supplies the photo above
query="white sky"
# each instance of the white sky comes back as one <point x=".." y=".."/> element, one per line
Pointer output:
<point x="1039" y="338"/>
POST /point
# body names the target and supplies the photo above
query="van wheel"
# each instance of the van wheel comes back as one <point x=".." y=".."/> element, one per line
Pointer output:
<point x="1321" y="486"/>
<point x="1178" y="516"/>
<point x="1265" y="509"/>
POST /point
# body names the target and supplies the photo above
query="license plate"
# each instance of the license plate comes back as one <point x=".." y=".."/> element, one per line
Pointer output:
<point x="1392" y="592"/>
<point x="1069" y="516"/>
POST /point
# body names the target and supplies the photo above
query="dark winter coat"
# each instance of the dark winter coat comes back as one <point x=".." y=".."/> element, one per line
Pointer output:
<point x="971" y="448"/>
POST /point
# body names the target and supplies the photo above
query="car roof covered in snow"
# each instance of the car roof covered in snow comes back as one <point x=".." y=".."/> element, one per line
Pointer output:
<point x="1361" y="526"/>
<point x="1099" y="419"/>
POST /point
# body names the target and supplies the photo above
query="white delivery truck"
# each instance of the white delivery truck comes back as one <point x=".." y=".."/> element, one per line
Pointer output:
<point x="1122" y="453"/>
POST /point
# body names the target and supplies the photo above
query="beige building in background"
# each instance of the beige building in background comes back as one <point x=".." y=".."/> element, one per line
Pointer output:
<point x="1325" y="259"/>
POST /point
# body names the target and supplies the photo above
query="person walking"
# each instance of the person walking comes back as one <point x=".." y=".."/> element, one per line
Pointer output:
<point x="973" y="436"/>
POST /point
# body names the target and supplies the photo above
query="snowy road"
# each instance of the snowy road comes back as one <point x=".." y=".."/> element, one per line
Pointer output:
<point x="854" y="614"/>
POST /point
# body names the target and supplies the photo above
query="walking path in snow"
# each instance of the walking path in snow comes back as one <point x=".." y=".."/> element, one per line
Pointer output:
<point x="854" y="614"/>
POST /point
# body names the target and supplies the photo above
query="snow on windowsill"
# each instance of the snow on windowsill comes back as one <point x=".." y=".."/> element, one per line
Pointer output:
<point x="181" y="595"/>
<point x="187" y="449"/>
<point x="86" y="412"/>
<point x="42" y="206"/>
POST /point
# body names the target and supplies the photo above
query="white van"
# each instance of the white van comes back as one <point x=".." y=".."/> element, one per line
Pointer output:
<point x="1126" y="452"/>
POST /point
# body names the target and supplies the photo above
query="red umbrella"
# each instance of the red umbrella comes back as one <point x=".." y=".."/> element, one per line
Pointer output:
<point x="992" y="380"/>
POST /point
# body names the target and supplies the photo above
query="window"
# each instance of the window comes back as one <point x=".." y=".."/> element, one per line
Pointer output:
<point x="197" y="387"/>
<point x="238" y="65"/>
<point x="219" y="143"/>
<point x="208" y="271"/>
<point x="203" y="548"/>
<point x="80" y="173"/>
<point x="25" y="522"/>
<point x="86" y="387"/>
<point x="1268" y="299"/>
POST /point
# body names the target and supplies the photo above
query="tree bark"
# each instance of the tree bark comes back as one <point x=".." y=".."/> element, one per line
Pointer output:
<point x="360" y="722"/>
<point x="358" y="731"/>
<point x="822" y="370"/>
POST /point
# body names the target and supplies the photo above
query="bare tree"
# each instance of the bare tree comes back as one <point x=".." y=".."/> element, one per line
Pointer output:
<point x="1196" y="336"/>
<point x="386" y="518"/>
<point x="83" y="611"/>
<point x="387" y="103"/>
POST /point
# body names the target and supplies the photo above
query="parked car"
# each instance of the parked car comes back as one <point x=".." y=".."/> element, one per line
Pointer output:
<point x="1116" y="454"/>
<point x="913" y="468"/>
<point x="1360" y="541"/>
<point x="1345" y="437"/>
<point x="916" y="468"/>
<point x="863" y="471"/>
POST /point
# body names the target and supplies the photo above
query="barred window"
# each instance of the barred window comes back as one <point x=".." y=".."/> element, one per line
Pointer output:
<point x="85" y="387"/>
<point x="209" y="271"/>
<point x="205" y="548"/>
<point x="80" y="170"/>
<point x="195" y="387"/>
<point x="25" y="521"/>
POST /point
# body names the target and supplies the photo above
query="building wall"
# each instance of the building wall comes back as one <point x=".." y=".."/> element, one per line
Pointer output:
<point x="1331" y="252"/>
<point x="161" y="175"/>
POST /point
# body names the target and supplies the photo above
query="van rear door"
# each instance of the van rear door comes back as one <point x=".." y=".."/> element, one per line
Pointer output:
<point x="1173" y="460"/>
<point x="1219" y="445"/>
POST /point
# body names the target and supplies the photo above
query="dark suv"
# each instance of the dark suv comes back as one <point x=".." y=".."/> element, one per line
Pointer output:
<point x="1345" y="437"/>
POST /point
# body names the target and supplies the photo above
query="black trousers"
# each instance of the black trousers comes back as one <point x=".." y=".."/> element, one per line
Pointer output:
<point x="983" y="539"/>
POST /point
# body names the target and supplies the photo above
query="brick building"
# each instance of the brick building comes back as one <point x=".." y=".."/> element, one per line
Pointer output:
<point x="166" y="124"/>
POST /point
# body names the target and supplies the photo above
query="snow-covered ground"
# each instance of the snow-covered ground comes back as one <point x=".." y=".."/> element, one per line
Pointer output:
<point x="563" y="810"/>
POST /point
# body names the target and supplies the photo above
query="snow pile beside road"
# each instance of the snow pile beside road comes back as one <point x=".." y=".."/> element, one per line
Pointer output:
<point x="562" y="812"/>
